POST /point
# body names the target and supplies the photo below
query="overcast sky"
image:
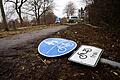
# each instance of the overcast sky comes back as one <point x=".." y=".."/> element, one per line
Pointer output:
<point x="59" y="6"/>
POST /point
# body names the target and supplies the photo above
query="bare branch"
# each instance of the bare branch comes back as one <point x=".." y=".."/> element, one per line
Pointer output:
<point x="28" y="13"/>
<point x="10" y="1"/>
<point x="24" y="1"/>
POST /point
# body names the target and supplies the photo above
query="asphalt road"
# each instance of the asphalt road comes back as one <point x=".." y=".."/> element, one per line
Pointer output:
<point x="10" y="42"/>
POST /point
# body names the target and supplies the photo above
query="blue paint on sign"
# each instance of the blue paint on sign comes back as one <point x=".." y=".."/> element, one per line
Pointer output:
<point x="53" y="47"/>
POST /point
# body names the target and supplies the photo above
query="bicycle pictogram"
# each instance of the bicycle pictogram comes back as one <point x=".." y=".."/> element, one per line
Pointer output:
<point x="62" y="46"/>
<point x="84" y="51"/>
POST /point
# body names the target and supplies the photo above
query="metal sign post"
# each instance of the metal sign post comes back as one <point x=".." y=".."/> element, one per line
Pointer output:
<point x="90" y="55"/>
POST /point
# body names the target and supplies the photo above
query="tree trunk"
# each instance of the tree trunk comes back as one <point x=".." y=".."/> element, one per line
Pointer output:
<point x="44" y="18"/>
<point x="3" y="16"/>
<point x="38" y="17"/>
<point x="21" y="20"/>
<point x="38" y="20"/>
<point x="44" y="13"/>
<point x="20" y="17"/>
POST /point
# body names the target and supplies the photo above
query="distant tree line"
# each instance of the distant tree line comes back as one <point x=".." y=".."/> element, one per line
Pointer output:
<point x="39" y="10"/>
<point x="70" y="9"/>
<point x="104" y="12"/>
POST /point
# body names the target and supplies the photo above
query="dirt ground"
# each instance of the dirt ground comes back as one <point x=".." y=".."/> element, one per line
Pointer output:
<point x="30" y="65"/>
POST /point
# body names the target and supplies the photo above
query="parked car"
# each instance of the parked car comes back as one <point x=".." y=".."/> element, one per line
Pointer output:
<point x="73" y="19"/>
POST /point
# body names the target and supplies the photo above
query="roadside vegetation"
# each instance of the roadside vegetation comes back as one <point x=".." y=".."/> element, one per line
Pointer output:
<point x="21" y="30"/>
<point x="98" y="24"/>
<point x="29" y="64"/>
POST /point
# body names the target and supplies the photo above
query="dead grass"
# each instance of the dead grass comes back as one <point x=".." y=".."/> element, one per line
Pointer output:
<point x="23" y="30"/>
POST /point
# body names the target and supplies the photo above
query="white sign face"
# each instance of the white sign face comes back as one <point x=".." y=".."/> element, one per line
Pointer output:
<point x="87" y="55"/>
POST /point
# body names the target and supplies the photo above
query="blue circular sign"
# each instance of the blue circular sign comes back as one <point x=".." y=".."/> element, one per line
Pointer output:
<point x="53" y="47"/>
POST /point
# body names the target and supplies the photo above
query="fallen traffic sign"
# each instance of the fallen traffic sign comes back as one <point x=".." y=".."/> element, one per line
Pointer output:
<point x="53" y="47"/>
<point x="87" y="55"/>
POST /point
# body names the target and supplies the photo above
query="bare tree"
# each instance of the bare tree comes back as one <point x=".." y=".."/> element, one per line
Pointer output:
<point x="3" y="16"/>
<point x="82" y="12"/>
<point x="9" y="11"/>
<point x="49" y="18"/>
<point x="37" y="8"/>
<point x="70" y="9"/>
<point x="18" y="7"/>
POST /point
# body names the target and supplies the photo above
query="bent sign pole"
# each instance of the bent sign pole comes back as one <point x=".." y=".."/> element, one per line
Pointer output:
<point x="110" y="62"/>
<point x="90" y="55"/>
